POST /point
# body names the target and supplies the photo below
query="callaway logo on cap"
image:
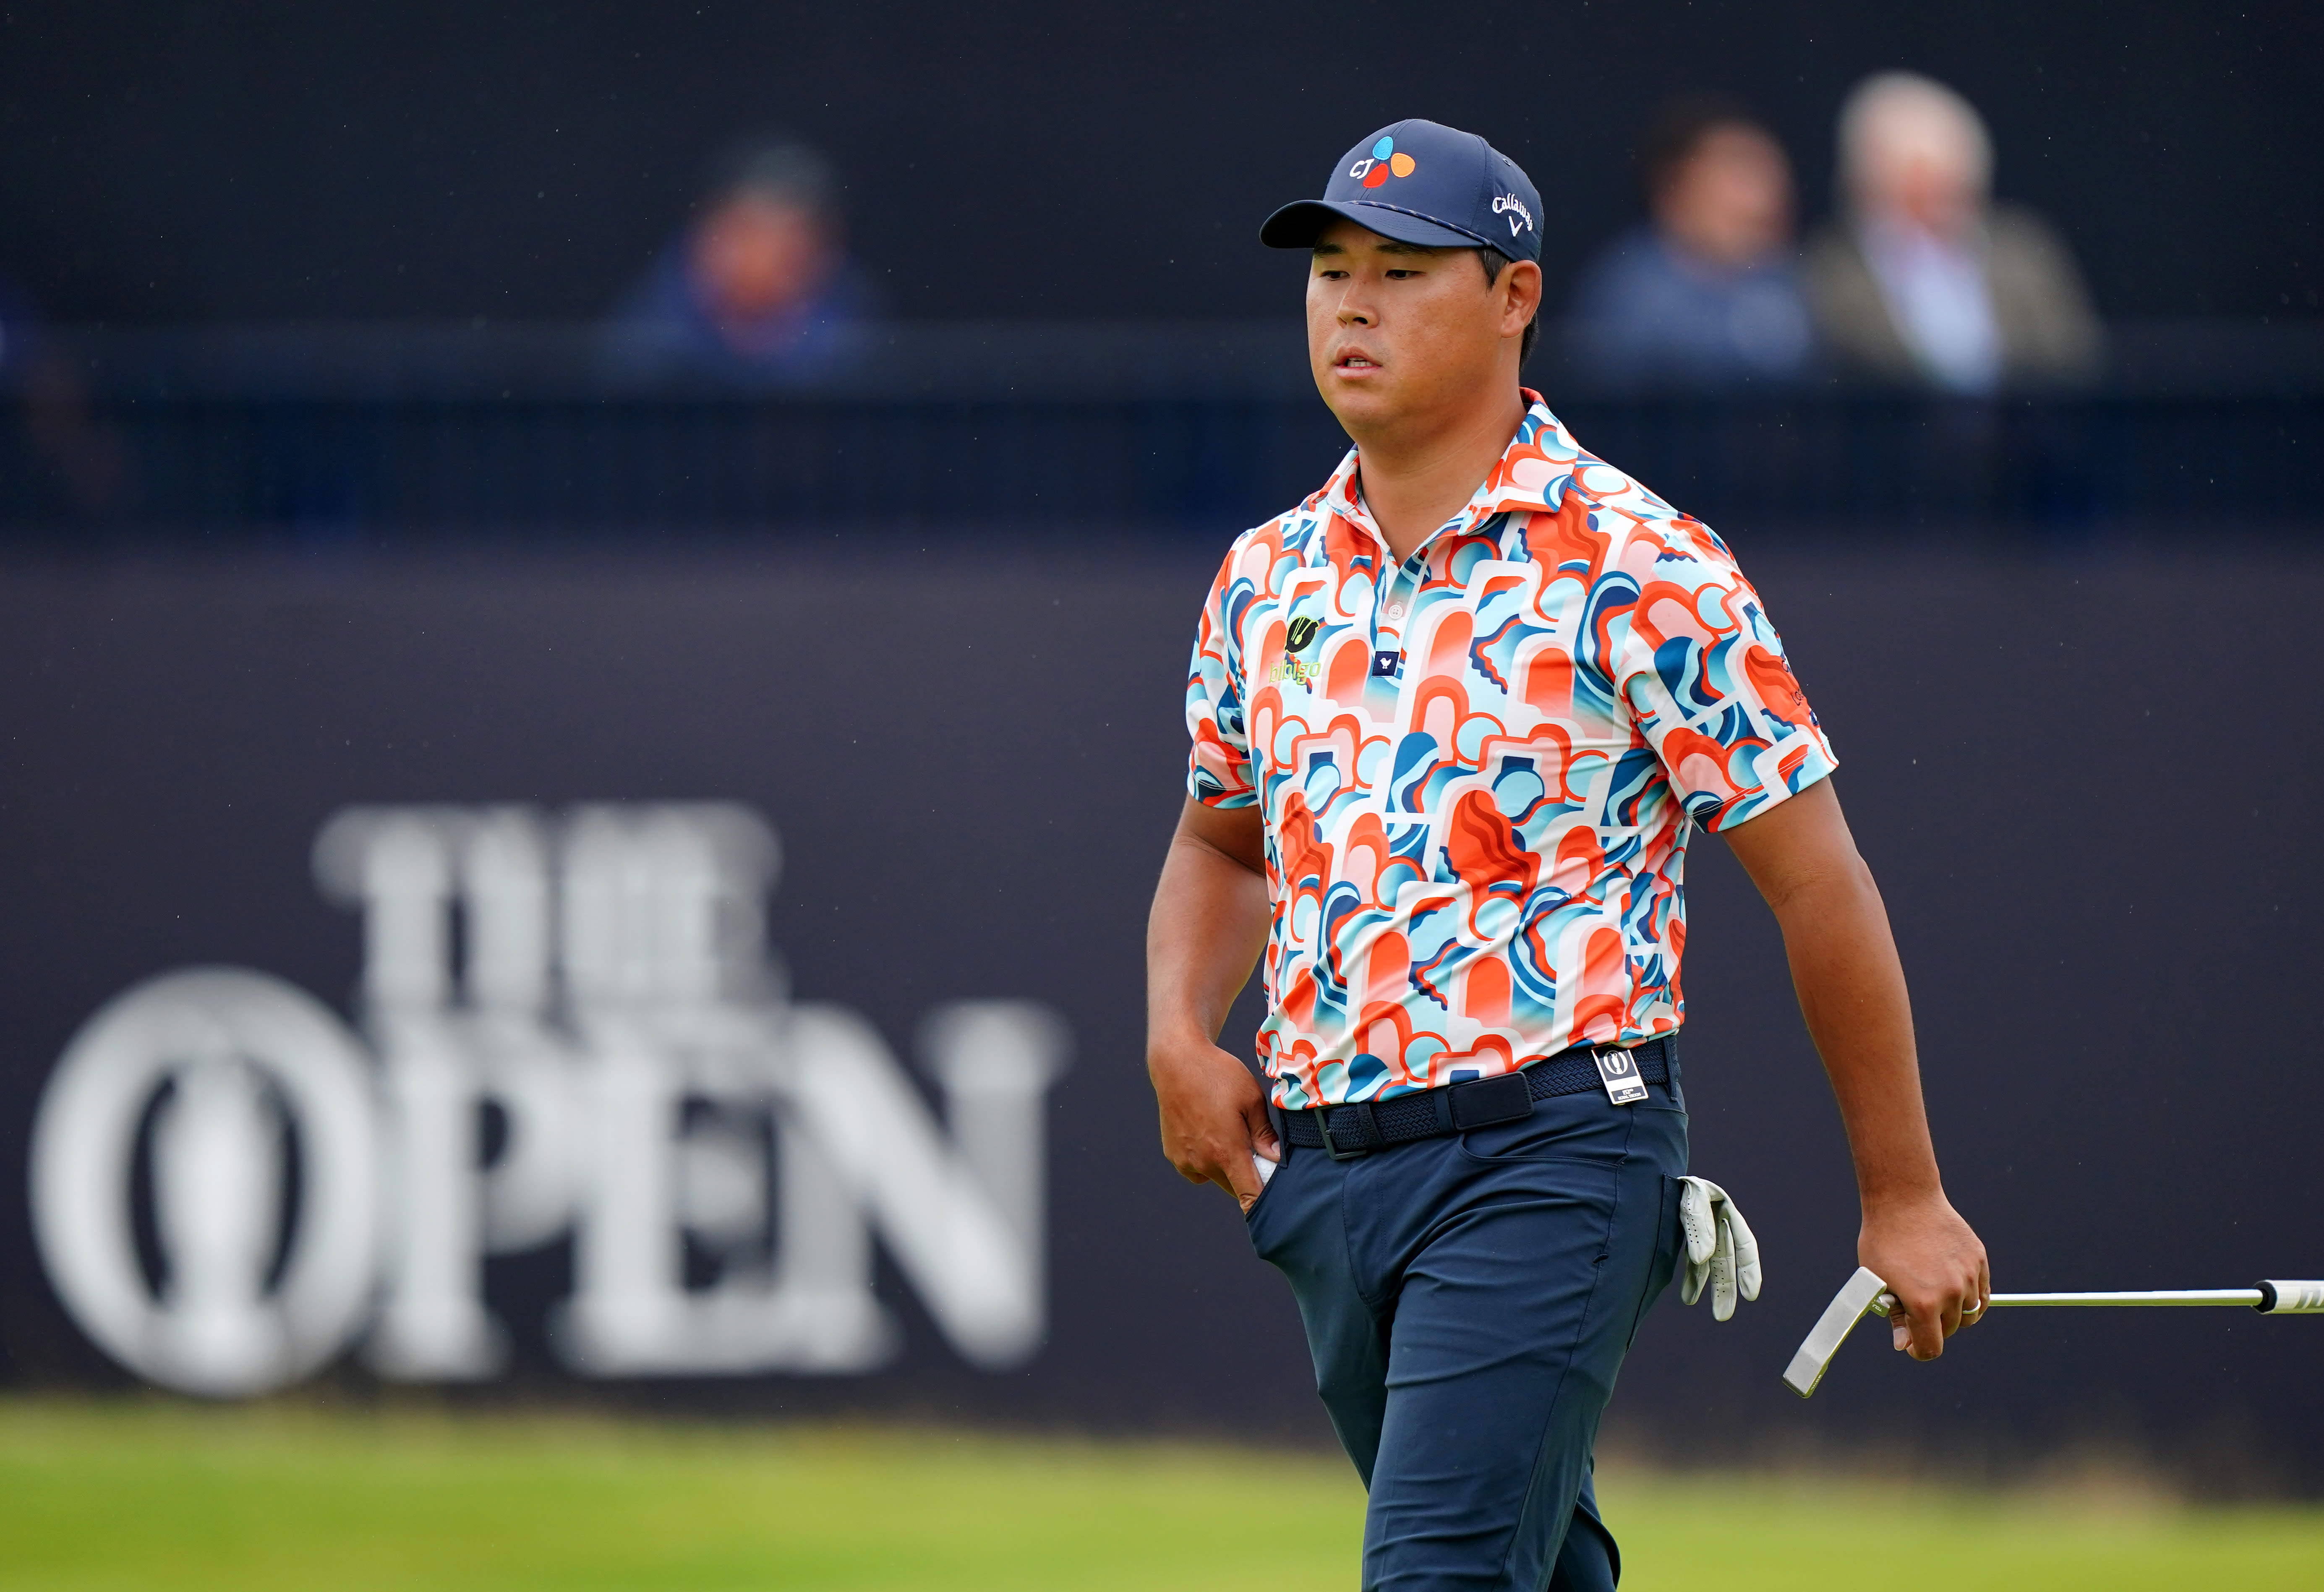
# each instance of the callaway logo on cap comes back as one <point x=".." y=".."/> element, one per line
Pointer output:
<point x="1421" y="182"/>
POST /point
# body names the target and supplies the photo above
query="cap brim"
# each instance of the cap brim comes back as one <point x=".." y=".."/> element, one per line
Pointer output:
<point x="1299" y="223"/>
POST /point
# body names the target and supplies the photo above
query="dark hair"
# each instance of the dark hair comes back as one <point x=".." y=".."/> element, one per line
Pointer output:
<point x="1681" y="126"/>
<point x="1494" y="262"/>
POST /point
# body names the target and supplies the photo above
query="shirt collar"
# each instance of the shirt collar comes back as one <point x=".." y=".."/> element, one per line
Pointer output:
<point x="1530" y="477"/>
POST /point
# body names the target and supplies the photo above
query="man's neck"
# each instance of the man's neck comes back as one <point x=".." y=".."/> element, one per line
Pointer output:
<point x="1415" y="483"/>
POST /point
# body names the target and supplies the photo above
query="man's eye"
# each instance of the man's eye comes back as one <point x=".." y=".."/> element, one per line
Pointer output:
<point x="1393" y="275"/>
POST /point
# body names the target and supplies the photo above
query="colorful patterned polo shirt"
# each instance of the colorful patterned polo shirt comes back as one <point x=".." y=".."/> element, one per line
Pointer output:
<point x="1479" y="768"/>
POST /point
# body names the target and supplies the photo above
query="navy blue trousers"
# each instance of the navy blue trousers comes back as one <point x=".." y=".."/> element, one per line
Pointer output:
<point x="1467" y="1300"/>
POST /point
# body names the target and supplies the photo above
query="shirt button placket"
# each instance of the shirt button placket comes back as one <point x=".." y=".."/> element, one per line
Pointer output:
<point x="1388" y="626"/>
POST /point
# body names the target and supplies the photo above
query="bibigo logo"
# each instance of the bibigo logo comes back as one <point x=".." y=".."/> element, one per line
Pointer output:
<point x="1384" y="162"/>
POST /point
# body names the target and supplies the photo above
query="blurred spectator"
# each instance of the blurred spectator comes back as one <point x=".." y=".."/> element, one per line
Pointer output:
<point x="758" y="289"/>
<point x="1925" y="281"/>
<point x="1707" y="294"/>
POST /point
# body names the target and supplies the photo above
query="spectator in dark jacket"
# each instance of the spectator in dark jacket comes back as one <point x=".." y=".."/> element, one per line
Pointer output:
<point x="1924" y="281"/>
<point x="758" y="291"/>
<point x="1706" y="295"/>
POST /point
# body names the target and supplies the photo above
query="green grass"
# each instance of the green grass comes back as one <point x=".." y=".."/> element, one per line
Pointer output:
<point x="147" y="1494"/>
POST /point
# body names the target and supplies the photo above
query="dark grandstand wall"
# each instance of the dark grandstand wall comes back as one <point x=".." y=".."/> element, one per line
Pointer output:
<point x="2083" y="781"/>
<point x="521" y="160"/>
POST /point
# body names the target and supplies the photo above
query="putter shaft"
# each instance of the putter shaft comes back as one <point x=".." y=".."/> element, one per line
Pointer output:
<point x="2249" y="1298"/>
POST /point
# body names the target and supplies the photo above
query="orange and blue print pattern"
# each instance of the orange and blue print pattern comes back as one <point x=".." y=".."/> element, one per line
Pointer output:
<point x="1479" y="768"/>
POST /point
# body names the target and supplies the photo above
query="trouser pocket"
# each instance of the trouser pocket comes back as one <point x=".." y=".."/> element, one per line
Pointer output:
<point x="1667" y="1238"/>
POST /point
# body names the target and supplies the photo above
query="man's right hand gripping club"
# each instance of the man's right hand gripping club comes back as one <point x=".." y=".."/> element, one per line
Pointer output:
<point x="1208" y="927"/>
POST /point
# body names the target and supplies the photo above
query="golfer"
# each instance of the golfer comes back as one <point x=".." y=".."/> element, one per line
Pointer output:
<point x="1456" y="719"/>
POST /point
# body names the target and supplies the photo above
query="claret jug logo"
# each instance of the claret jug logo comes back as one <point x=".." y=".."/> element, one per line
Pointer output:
<point x="1383" y="164"/>
<point x="573" y="1032"/>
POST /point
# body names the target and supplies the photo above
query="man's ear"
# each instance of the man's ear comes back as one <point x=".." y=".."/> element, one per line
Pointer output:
<point x="1522" y="284"/>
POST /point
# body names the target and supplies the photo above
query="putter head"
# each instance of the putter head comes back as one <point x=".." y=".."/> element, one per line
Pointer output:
<point x="1847" y="1308"/>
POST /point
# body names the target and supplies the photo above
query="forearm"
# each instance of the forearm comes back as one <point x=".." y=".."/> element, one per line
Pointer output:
<point x="1852" y="992"/>
<point x="1207" y="928"/>
<point x="1204" y="936"/>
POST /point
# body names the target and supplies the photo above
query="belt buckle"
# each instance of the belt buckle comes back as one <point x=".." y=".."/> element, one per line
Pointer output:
<point x="1368" y="1126"/>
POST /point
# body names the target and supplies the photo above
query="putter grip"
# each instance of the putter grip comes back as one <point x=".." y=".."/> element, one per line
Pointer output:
<point x="2292" y="1299"/>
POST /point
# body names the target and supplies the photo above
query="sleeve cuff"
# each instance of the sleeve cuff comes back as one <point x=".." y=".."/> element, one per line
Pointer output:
<point x="1794" y="769"/>
<point x="1212" y="791"/>
<point x="1212" y="794"/>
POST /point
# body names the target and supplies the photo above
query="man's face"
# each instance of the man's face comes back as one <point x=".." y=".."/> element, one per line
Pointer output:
<point x="1920" y="166"/>
<point x="1729" y="201"/>
<point x="755" y="256"/>
<point x="1396" y="331"/>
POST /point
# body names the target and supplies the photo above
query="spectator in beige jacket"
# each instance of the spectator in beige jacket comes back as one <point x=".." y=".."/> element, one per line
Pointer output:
<point x="1925" y="281"/>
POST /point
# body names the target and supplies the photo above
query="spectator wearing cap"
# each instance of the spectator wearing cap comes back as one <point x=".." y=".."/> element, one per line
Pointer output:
<point x="1707" y="294"/>
<point x="1925" y="281"/>
<point x="758" y="291"/>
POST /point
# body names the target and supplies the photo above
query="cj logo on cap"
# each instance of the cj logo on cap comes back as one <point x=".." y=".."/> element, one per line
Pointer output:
<point x="1384" y="162"/>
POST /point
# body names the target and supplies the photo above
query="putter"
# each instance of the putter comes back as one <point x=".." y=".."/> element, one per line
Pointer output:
<point x="1866" y="1292"/>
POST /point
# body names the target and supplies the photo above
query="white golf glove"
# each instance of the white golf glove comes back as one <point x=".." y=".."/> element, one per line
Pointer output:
<point x="1719" y="1247"/>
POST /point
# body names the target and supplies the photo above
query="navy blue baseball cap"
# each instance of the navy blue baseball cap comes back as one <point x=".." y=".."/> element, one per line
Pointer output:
<point x="1421" y="182"/>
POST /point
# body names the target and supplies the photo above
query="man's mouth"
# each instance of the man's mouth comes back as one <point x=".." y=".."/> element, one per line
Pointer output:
<point x="1356" y="361"/>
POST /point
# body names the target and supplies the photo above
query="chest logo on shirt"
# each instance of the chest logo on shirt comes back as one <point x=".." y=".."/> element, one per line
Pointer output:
<point x="1290" y="668"/>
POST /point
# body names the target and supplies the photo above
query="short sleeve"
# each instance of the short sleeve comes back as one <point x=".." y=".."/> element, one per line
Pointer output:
<point x="1218" y="768"/>
<point x="1703" y="671"/>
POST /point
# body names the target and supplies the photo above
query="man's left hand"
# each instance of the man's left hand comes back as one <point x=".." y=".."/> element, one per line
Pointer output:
<point x="1934" y="1264"/>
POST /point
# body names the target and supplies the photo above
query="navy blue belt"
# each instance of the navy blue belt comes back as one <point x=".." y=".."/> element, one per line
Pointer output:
<point x="1346" y="1132"/>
